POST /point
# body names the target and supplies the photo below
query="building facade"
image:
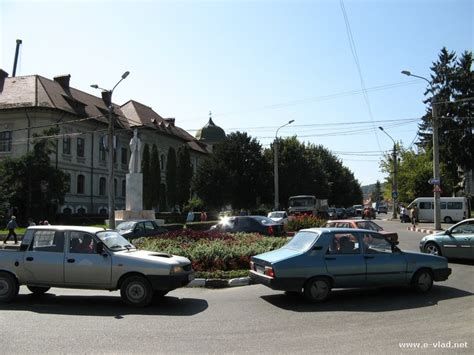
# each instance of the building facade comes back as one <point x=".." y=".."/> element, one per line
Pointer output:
<point x="31" y="104"/>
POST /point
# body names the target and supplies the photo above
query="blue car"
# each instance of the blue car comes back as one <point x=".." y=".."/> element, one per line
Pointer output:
<point x="318" y="259"/>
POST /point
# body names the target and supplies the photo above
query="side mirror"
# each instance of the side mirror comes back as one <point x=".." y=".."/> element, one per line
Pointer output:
<point x="99" y="248"/>
<point x="448" y="232"/>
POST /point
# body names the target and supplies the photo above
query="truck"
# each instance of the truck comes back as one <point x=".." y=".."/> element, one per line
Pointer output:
<point x="89" y="258"/>
<point x="308" y="205"/>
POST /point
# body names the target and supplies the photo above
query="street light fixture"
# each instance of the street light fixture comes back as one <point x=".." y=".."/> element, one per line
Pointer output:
<point x="275" y="167"/>
<point x="436" y="174"/>
<point x="394" y="176"/>
<point x="107" y="98"/>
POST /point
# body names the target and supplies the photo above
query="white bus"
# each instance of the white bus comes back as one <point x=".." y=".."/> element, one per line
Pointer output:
<point x="452" y="208"/>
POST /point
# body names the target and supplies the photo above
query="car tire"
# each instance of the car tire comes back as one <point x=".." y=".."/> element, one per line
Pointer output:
<point x="38" y="290"/>
<point x="317" y="289"/>
<point x="432" y="248"/>
<point x="136" y="291"/>
<point x="422" y="281"/>
<point x="9" y="287"/>
<point x="448" y="219"/>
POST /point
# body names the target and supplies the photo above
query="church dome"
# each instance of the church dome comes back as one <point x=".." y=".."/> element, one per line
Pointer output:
<point x="210" y="133"/>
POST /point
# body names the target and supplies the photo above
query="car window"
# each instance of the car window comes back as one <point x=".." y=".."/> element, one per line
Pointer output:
<point x="465" y="228"/>
<point x="125" y="226"/>
<point x="149" y="225"/>
<point x="244" y="222"/>
<point x="302" y="241"/>
<point x="264" y="220"/>
<point x="140" y="227"/>
<point x="343" y="225"/>
<point x="343" y="243"/>
<point x="368" y="225"/>
<point x="48" y="240"/>
<point x="81" y="243"/>
<point x="375" y="243"/>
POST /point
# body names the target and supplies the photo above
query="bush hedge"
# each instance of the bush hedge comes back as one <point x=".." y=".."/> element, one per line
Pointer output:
<point x="213" y="253"/>
<point x="295" y="223"/>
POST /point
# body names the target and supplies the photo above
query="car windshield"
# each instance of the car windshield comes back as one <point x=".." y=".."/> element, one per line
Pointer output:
<point x="277" y="215"/>
<point x="125" y="226"/>
<point x="369" y="225"/>
<point x="114" y="241"/>
<point x="302" y="241"/>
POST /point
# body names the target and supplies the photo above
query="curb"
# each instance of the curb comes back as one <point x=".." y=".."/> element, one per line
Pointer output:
<point x="220" y="283"/>
<point x="422" y="230"/>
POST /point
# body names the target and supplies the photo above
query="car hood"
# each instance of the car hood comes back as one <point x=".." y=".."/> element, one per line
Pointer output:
<point x="278" y="255"/>
<point x="152" y="257"/>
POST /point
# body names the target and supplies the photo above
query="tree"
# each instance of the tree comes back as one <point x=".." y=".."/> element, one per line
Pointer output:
<point x="171" y="178"/>
<point x="147" y="182"/>
<point x="155" y="173"/>
<point x="33" y="172"/>
<point x="184" y="176"/>
<point x="236" y="173"/>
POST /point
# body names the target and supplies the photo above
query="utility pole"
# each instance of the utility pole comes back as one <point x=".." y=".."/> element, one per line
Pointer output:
<point x="275" y="166"/>
<point x="394" y="175"/>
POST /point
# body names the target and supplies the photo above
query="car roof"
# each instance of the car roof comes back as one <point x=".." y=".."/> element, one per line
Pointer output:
<point x="69" y="228"/>
<point x="340" y="230"/>
<point x="137" y="220"/>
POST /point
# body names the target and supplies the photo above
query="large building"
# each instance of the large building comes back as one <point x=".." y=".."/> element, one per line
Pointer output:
<point x="31" y="104"/>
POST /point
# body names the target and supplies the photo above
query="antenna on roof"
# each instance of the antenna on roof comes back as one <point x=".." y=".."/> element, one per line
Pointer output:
<point x="18" y="42"/>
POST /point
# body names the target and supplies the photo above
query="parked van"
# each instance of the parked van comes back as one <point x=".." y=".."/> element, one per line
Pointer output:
<point x="452" y="208"/>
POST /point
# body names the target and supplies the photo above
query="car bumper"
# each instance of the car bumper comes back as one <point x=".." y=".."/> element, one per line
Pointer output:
<point x="170" y="282"/>
<point x="441" y="274"/>
<point x="282" y="284"/>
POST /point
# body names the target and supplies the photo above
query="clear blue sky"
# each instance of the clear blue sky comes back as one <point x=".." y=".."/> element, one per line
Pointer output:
<point x="254" y="64"/>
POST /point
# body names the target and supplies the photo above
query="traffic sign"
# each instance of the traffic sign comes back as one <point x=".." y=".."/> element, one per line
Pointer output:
<point x="394" y="195"/>
<point x="437" y="188"/>
<point x="434" y="181"/>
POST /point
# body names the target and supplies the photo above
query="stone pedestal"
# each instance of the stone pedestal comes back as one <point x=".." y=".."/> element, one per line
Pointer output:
<point x="134" y="192"/>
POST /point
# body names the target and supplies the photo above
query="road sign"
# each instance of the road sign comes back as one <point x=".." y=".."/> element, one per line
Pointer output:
<point x="437" y="188"/>
<point x="434" y="181"/>
<point x="394" y="195"/>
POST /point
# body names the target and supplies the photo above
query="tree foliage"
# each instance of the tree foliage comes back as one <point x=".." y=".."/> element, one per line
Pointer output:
<point x="171" y="178"/>
<point x="155" y="172"/>
<point x="147" y="179"/>
<point x="30" y="184"/>
<point x="184" y="176"/>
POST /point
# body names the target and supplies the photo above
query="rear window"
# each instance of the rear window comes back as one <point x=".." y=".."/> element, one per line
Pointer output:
<point x="302" y="241"/>
<point x="264" y="220"/>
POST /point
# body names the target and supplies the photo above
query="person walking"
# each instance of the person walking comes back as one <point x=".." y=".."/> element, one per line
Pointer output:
<point x="414" y="215"/>
<point x="11" y="229"/>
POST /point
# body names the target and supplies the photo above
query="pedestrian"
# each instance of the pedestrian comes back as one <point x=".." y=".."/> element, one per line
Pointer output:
<point x="414" y="215"/>
<point x="46" y="223"/>
<point x="11" y="229"/>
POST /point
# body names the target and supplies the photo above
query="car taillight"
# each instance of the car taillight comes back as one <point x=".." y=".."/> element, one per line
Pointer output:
<point x="269" y="271"/>
<point x="270" y="230"/>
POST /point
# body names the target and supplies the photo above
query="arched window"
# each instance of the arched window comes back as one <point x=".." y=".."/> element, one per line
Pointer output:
<point x="102" y="186"/>
<point x="103" y="210"/>
<point x="67" y="210"/>
<point x="81" y="210"/>
<point x="81" y="182"/>
<point x="162" y="162"/>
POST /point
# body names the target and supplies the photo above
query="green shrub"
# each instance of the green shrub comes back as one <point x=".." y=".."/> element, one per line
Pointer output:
<point x="200" y="226"/>
<point x="295" y="223"/>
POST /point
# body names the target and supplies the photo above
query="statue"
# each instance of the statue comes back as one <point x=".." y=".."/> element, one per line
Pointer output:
<point x="135" y="165"/>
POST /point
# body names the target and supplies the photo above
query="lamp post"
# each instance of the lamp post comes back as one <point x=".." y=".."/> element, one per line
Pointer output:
<point x="275" y="167"/>
<point x="107" y="98"/>
<point x="436" y="174"/>
<point x="394" y="177"/>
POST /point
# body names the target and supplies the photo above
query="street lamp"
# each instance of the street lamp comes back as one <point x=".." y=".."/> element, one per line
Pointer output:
<point x="436" y="174"/>
<point x="394" y="177"/>
<point x="275" y="167"/>
<point x="107" y="98"/>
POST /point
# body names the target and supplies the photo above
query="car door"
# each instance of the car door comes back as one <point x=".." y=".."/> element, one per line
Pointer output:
<point x="139" y="230"/>
<point x="459" y="242"/>
<point x="385" y="265"/>
<point x="84" y="267"/>
<point x="44" y="259"/>
<point x="150" y="228"/>
<point x="344" y="260"/>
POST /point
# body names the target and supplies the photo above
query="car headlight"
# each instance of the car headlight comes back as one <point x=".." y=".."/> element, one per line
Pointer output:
<point x="176" y="269"/>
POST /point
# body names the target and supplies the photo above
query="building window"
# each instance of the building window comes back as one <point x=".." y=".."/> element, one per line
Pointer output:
<point x="81" y="181"/>
<point x="67" y="182"/>
<point x="5" y="141"/>
<point x="102" y="186"/>
<point x="124" y="156"/>
<point x="67" y="210"/>
<point x="80" y="147"/>
<point x="81" y="210"/>
<point x="103" y="210"/>
<point x="67" y="145"/>
<point x="123" y="188"/>
<point x="115" y="187"/>
<point x="102" y="150"/>
<point x="162" y="162"/>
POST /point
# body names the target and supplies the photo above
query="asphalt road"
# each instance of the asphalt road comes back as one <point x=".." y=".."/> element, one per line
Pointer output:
<point x="251" y="319"/>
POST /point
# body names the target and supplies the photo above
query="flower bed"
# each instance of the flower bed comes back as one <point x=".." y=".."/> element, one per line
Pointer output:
<point x="213" y="254"/>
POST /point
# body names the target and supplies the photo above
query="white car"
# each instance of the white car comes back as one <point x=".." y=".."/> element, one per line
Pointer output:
<point x="279" y="217"/>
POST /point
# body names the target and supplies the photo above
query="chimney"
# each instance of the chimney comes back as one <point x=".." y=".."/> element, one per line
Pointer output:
<point x="3" y="76"/>
<point x="170" y="120"/>
<point x="63" y="80"/>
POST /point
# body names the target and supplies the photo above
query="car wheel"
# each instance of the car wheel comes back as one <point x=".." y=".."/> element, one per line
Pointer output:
<point x="422" y="281"/>
<point x="136" y="291"/>
<point x="432" y="248"/>
<point x="317" y="290"/>
<point x="448" y="219"/>
<point x="8" y="287"/>
<point x="37" y="290"/>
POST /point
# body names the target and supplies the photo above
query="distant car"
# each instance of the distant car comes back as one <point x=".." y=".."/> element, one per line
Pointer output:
<point x="279" y="216"/>
<point x="318" y="259"/>
<point x="340" y="212"/>
<point x="369" y="212"/>
<point x="250" y="224"/>
<point x="139" y="228"/>
<point x="362" y="224"/>
<point x="332" y="213"/>
<point x="455" y="242"/>
<point x="382" y="209"/>
<point x="350" y="211"/>
<point x="358" y="210"/>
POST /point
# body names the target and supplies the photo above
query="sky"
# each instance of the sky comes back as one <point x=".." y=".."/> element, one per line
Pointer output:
<point x="332" y="66"/>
